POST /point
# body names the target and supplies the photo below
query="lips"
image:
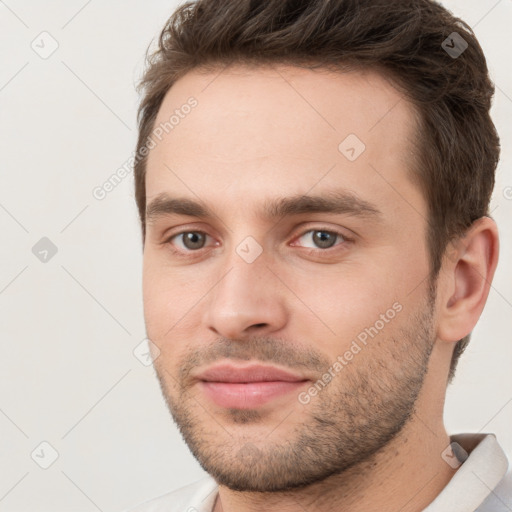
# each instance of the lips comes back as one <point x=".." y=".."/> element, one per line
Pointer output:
<point x="247" y="387"/>
<point x="253" y="373"/>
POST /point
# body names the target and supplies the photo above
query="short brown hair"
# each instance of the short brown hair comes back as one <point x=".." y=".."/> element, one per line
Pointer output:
<point x="457" y="146"/>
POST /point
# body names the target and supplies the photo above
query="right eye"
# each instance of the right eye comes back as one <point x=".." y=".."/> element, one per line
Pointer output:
<point x="188" y="241"/>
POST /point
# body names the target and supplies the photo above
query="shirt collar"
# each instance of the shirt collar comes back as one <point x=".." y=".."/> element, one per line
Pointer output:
<point x="476" y="477"/>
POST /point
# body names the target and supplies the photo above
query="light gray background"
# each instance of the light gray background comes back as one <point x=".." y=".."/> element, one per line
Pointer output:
<point x="69" y="326"/>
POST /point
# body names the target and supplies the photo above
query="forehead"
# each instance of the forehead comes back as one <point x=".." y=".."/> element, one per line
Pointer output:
<point x="255" y="133"/>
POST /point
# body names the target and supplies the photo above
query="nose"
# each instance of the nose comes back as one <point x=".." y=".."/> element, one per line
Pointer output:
<point x="247" y="300"/>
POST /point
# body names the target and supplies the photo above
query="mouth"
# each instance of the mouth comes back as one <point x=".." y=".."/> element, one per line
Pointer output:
<point x="247" y="387"/>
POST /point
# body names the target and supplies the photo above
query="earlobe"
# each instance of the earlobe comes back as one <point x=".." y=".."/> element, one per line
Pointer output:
<point x="468" y="274"/>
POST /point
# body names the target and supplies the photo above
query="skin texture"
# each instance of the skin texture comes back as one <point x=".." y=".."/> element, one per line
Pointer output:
<point x="372" y="438"/>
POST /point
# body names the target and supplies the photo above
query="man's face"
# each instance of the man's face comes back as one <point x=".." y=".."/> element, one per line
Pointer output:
<point x="292" y="311"/>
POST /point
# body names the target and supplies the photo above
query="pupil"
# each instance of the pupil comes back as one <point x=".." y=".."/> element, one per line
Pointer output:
<point x="324" y="239"/>
<point x="194" y="240"/>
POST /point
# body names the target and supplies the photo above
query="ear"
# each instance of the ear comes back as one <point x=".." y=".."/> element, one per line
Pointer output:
<point x="467" y="272"/>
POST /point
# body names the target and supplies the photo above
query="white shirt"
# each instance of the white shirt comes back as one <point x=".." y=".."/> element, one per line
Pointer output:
<point x="480" y="484"/>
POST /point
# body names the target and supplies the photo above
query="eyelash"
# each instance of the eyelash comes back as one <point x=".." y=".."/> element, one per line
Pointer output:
<point x="189" y="253"/>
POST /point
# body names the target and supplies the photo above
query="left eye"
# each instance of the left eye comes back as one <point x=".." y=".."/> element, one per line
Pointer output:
<point x="321" y="238"/>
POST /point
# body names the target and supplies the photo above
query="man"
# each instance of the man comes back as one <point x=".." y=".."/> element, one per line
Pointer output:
<point x="313" y="180"/>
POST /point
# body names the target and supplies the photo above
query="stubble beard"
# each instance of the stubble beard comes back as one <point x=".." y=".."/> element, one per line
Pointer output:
<point x="355" y="416"/>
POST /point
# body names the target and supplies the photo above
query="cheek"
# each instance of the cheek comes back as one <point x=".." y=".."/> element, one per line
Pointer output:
<point x="336" y="307"/>
<point x="158" y="292"/>
<point x="171" y="297"/>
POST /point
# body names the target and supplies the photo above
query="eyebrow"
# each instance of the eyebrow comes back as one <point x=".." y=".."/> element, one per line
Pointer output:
<point x="337" y="202"/>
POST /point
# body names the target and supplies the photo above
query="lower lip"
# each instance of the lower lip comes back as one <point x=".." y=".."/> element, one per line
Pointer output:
<point x="238" y="395"/>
